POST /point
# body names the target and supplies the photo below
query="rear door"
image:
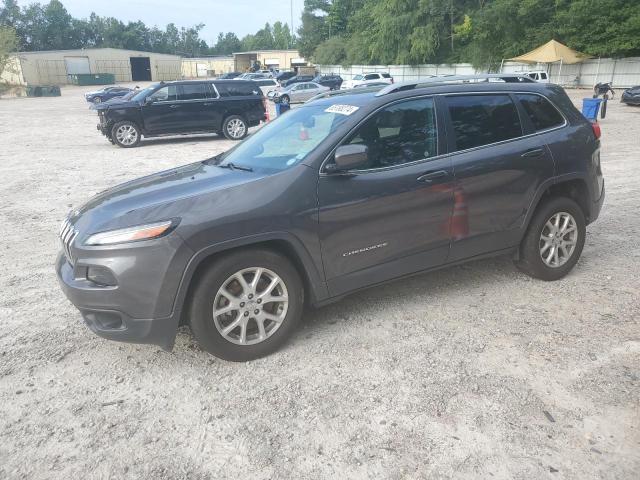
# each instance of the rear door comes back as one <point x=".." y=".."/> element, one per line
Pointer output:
<point x="163" y="114"/>
<point x="196" y="107"/>
<point x="499" y="164"/>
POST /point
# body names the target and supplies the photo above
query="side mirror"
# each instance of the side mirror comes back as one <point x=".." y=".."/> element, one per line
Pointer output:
<point x="348" y="157"/>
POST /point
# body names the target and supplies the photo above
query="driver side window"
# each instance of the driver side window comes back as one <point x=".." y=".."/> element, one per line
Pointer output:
<point x="401" y="133"/>
<point x="164" y="94"/>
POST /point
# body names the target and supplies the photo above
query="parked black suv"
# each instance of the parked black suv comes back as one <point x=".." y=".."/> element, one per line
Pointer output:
<point x="342" y="193"/>
<point x="331" y="81"/>
<point x="229" y="107"/>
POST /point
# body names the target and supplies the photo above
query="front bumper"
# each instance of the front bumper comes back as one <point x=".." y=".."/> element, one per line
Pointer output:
<point x="139" y="308"/>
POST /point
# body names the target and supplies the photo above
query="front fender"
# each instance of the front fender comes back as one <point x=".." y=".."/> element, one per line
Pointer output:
<point x="318" y="288"/>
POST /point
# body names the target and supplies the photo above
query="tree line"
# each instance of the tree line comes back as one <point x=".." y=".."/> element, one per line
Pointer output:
<point x="48" y="26"/>
<point x="481" y="32"/>
<point x="347" y="32"/>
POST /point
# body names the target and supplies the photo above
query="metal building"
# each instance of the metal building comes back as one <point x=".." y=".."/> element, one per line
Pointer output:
<point x="54" y="67"/>
<point x="281" y="59"/>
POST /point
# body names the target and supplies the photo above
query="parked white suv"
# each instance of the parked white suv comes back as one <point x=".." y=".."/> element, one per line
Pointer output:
<point x="366" y="78"/>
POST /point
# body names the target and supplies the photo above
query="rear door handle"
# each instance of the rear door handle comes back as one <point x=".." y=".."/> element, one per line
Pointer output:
<point x="429" y="177"/>
<point x="207" y="104"/>
<point x="174" y="106"/>
<point x="534" y="152"/>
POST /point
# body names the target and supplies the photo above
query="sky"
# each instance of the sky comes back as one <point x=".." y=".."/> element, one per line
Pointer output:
<point x="238" y="16"/>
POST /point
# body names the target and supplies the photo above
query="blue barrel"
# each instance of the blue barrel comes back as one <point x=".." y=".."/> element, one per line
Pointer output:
<point x="590" y="107"/>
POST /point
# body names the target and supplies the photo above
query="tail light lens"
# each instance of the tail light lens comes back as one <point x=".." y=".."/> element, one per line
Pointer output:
<point x="596" y="130"/>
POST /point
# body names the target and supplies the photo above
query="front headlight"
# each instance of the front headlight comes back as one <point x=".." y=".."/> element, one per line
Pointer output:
<point x="131" y="234"/>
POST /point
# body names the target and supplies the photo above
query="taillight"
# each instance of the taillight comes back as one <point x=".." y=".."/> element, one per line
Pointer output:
<point x="266" y="109"/>
<point x="596" y="130"/>
<point x="391" y="79"/>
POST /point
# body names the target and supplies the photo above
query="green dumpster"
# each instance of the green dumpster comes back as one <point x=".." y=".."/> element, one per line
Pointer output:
<point x="92" y="78"/>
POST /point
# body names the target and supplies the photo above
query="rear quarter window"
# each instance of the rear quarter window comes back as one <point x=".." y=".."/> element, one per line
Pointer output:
<point x="241" y="88"/>
<point x="483" y="119"/>
<point x="542" y="114"/>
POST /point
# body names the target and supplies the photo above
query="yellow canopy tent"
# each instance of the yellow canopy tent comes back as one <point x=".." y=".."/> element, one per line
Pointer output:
<point x="552" y="52"/>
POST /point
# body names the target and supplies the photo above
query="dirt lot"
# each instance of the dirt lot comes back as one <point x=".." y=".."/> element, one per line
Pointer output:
<point x="473" y="372"/>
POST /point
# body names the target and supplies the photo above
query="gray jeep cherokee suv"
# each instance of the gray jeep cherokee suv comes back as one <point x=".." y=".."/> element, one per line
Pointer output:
<point x="343" y="193"/>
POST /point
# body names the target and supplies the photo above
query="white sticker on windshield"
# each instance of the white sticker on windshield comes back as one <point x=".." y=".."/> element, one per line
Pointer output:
<point x="342" y="109"/>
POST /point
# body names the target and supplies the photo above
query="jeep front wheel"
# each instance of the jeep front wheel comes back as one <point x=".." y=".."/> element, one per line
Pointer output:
<point x="246" y="305"/>
<point x="126" y="134"/>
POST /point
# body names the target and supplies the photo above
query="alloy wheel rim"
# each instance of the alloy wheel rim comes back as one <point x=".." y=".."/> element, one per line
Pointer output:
<point x="250" y="306"/>
<point x="126" y="135"/>
<point x="236" y="128"/>
<point x="558" y="239"/>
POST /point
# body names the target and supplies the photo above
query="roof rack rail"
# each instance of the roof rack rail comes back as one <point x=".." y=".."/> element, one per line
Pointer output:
<point x="486" y="77"/>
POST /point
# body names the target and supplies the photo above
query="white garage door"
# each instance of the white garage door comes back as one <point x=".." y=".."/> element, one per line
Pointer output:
<point x="76" y="65"/>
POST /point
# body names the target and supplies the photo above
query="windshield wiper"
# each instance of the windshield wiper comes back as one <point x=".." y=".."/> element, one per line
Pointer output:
<point x="233" y="166"/>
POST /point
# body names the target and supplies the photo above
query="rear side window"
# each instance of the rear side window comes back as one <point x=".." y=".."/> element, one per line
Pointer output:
<point x="371" y="76"/>
<point x="542" y="114"/>
<point x="193" y="91"/>
<point x="483" y="119"/>
<point x="241" y="88"/>
<point x="386" y="75"/>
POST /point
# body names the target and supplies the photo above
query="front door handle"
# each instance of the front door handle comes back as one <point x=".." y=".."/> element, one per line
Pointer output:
<point x="533" y="152"/>
<point x="207" y="104"/>
<point x="174" y="106"/>
<point x="431" y="176"/>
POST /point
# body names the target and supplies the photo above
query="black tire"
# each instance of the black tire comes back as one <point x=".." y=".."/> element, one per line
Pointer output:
<point x="285" y="100"/>
<point x="122" y="142"/>
<point x="229" y="130"/>
<point x="211" y="281"/>
<point x="530" y="259"/>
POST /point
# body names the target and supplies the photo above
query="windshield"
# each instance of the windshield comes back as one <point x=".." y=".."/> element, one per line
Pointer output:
<point x="287" y="141"/>
<point x="358" y="77"/>
<point x="142" y="94"/>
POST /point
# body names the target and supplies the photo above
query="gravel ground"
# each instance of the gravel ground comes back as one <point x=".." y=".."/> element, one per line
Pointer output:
<point x="472" y="372"/>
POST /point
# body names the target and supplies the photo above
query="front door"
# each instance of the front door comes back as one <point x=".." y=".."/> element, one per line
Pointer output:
<point x="390" y="217"/>
<point x="140" y="69"/>
<point x="498" y="167"/>
<point x="163" y="113"/>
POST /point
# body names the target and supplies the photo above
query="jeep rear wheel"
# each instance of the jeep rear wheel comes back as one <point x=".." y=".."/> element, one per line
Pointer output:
<point x="246" y="305"/>
<point x="554" y="241"/>
<point x="126" y="134"/>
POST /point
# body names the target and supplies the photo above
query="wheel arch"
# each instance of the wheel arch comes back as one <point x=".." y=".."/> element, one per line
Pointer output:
<point x="571" y="186"/>
<point x="282" y="243"/>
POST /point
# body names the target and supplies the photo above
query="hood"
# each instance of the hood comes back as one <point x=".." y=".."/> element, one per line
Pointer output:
<point x="118" y="103"/>
<point x="156" y="197"/>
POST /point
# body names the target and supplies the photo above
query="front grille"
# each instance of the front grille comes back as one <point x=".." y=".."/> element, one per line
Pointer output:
<point x="67" y="235"/>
